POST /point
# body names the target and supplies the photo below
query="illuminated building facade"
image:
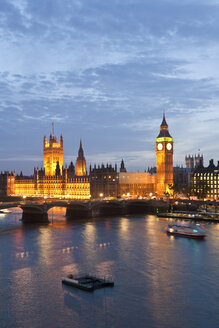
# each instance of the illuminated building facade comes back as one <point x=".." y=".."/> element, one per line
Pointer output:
<point x="57" y="186"/>
<point x="136" y="184"/>
<point x="53" y="180"/>
<point x="52" y="155"/>
<point x="205" y="181"/>
<point x="164" y="154"/>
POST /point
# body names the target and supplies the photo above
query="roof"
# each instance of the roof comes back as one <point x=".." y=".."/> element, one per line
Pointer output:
<point x="164" y="123"/>
<point x="164" y="133"/>
<point x="164" y="129"/>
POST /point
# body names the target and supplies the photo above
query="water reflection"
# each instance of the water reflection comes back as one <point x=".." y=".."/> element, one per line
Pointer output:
<point x="105" y="269"/>
<point x="124" y="226"/>
<point x="160" y="281"/>
<point x="90" y="232"/>
<point x="45" y="244"/>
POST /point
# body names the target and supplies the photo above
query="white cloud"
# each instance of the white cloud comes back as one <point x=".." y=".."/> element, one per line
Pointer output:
<point x="109" y="71"/>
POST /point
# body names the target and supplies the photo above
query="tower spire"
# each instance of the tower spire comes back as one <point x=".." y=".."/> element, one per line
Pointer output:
<point x="164" y="122"/>
<point x="53" y="129"/>
<point x="80" y="162"/>
<point x="80" y="150"/>
<point x="164" y="128"/>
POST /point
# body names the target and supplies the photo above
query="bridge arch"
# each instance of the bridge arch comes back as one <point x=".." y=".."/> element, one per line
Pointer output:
<point x="107" y="207"/>
<point x="78" y="210"/>
<point x="34" y="213"/>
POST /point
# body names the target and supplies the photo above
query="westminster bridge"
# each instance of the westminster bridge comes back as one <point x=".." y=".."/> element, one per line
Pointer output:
<point x="35" y="212"/>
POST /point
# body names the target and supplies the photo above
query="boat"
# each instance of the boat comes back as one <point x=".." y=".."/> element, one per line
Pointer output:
<point x="87" y="282"/>
<point x="190" y="231"/>
<point x="5" y="211"/>
<point x="191" y="216"/>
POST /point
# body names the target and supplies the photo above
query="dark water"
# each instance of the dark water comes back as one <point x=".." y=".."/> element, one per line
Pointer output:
<point x="160" y="281"/>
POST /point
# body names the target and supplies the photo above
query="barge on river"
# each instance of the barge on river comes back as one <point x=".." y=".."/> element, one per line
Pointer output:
<point x="87" y="282"/>
<point x="192" y="216"/>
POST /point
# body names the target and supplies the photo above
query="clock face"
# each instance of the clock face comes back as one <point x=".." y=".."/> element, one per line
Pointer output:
<point x="160" y="146"/>
<point x="169" y="146"/>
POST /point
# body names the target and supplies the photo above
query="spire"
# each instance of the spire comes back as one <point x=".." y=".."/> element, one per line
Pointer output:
<point x="80" y="168"/>
<point x="164" y="128"/>
<point x="53" y="129"/>
<point x="164" y="123"/>
<point x="122" y="166"/>
<point x="61" y="140"/>
<point x="81" y="151"/>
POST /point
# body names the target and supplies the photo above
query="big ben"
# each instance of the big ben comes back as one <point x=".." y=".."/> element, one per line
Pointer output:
<point x="164" y="153"/>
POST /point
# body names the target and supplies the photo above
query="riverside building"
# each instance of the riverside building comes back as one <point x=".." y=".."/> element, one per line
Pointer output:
<point x="205" y="181"/>
<point x="73" y="182"/>
<point x="53" y="180"/>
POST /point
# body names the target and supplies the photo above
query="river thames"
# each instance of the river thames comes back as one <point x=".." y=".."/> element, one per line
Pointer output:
<point x="160" y="281"/>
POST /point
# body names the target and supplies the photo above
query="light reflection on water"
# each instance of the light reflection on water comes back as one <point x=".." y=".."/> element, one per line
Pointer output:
<point x="160" y="280"/>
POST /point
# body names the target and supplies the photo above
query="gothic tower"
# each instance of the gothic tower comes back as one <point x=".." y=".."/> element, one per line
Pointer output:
<point x="122" y="166"/>
<point x="52" y="154"/>
<point x="80" y="162"/>
<point x="164" y="153"/>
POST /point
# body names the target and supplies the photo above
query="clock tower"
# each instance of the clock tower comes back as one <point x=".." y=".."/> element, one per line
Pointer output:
<point x="164" y="154"/>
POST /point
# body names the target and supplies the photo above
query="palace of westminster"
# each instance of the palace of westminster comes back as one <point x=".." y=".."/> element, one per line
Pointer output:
<point x="104" y="181"/>
<point x="78" y="182"/>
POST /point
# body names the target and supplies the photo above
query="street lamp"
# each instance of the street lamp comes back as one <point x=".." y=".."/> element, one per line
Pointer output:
<point x="101" y="195"/>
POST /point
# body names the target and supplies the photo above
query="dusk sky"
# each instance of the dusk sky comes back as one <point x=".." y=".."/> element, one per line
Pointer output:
<point x="104" y="71"/>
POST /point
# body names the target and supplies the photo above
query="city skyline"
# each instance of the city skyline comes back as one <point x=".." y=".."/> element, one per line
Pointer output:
<point x="105" y="73"/>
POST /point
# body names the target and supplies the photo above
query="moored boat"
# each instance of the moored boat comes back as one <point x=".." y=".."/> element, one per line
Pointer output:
<point x="87" y="282"/>
<point x="191" y="216"/>
<point x="190" y="231"/>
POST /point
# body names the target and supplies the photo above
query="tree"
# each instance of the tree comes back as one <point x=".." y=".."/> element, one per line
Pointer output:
<point x="181" y="190"/>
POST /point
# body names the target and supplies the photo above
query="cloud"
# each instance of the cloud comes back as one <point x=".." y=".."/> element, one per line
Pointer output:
<point x="105" y="71"/>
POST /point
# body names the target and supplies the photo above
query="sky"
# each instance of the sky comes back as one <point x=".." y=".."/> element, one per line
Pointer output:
<point x="104" y="71"/>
